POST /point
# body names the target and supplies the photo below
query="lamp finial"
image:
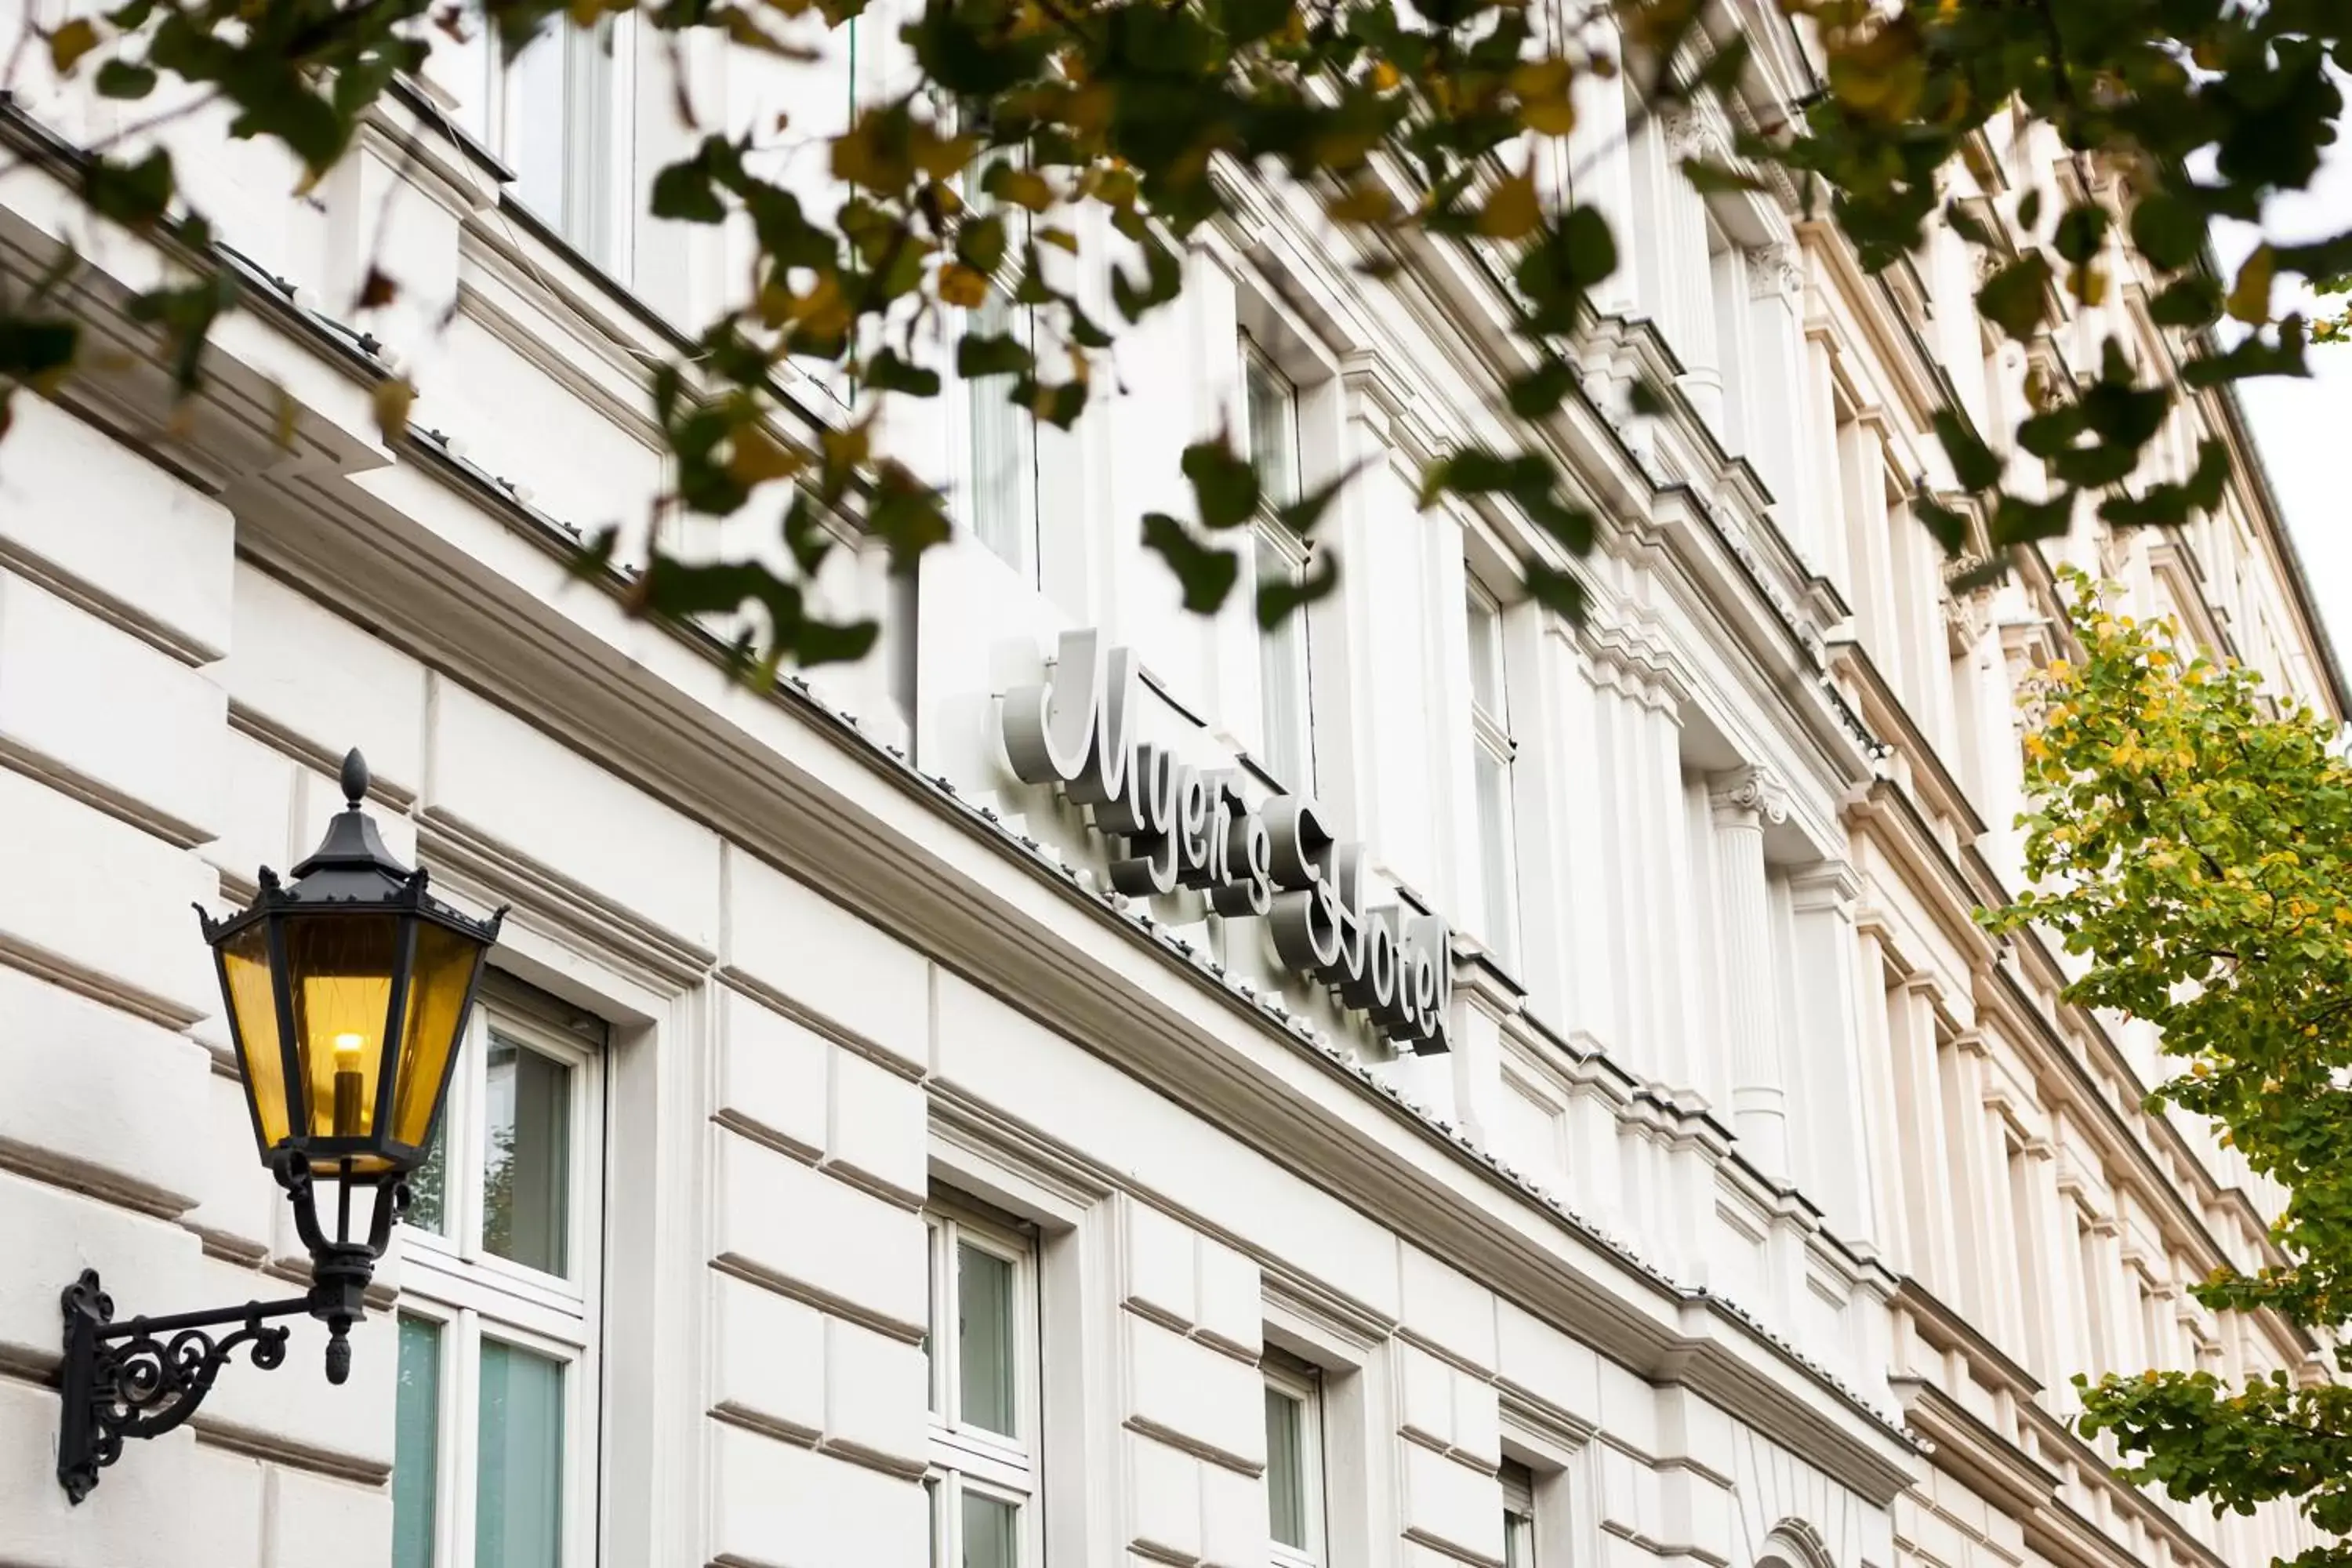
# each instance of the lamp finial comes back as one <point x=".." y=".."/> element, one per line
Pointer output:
<point x="355" y="778"/>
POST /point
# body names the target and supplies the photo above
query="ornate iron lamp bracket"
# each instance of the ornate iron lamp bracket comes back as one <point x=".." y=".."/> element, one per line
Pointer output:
<point x="142" y="1378"/>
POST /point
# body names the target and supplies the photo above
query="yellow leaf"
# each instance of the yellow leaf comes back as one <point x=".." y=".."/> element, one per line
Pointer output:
<point x="1384" y="76"/>
<point x="941" y="159"/>
<point x="70" y="42"/>
<point x="1059" y="238"/>
<point x="1511" y="210"/>
<point x="2249" y="297"/>
<point x="759" y="457"/>
<point x="1361" y="203"/>
<point x="392" y="400"/>
<point x="1025" y="188"/>
<point x="1548" y="117"/>
<point x="959" y="285"/>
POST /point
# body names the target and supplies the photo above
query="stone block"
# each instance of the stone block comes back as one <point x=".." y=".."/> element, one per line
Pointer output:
<point x="782" y="1218"/>
<point x="306" y="1511"/>
<point x="103" y="897"/>
<point x="97" y="1097"/>
<point x="129" y="720"/>
<point x="827" y="960"/>
<point x="1232" y="1298"/>
<point x="1448" y="1503"/>
<point x="1548" y="1364"/>
<point x="256" y="819"/>
<point x="315" y="675"/>
<point x="1424" y="1395"/>
<point x="1163" y="1491"/>
<point x="880" y="1128"/>
<point x="772" y="1073"/>
<point x="1477" y="1420"/>
<point x="1691" y="1427"/>
<point x="1446" y="1308"/>
<point x="491" y="772"/>
<point x="769" y="1361"/>
<point x="225" y="1506"/>
<point x="138" y="1515"/>
<point x="1233" y="1519"/>
<point x="876" y="1395"/>
<point x="1159" y="1260"/>
<point x="1193" y="1394"/>
<point x="781" y="1506"/>
<point x="48" y="1234"/>
<point x="165" y="551"/>
<point x="239" y="1205"/>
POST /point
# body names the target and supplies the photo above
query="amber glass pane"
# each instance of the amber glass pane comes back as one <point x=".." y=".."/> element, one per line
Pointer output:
<point x="342" y="967"/>
<point x="436" y="996"/>
<point x="245" y="961"/>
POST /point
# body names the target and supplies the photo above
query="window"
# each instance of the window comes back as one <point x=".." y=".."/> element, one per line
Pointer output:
<point x="1003" y="461"/>
<point x="555" y="113"/>
<point x="495" y="1411"/>
<point x="982" y="1353"/>
<point x="1285" y="705"/>
<point x="1001" y="437"/>
<point x="1491" y="751"/>
<point x="1294" y="1462"/>
<point x="1518" y="1515"/>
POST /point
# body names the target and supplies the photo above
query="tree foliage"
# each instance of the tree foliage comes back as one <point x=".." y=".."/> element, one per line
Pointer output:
<point x="1030" y="130"/>
<point x="2193" y="840"/>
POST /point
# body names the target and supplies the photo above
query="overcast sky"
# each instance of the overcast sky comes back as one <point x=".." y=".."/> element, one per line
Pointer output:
<point x="2304" y="427"/>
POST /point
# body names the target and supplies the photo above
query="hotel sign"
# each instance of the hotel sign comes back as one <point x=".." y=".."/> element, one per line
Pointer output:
<point x="1180" y="826"/>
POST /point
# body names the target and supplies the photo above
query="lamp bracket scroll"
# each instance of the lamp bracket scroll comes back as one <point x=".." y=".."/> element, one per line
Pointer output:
<point x="142" y="1378"/>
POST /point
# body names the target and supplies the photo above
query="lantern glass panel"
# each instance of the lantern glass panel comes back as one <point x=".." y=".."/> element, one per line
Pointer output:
<point x="437" y="988"/>
<point x="253" y="1007"/>
<point x="340" y="967"/>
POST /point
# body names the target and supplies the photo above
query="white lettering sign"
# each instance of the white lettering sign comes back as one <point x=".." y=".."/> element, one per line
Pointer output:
<point x="1182" y="826"/>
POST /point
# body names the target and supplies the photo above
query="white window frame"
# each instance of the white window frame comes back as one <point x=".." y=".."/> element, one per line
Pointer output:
<point x="1290" y="759"/>
<point x="971" y="1458"/>
<point x="1490" y="736"/>
<point x="1298" y="1381"/>
<point x="606" y="154"/>
<point x="1518" y="1484"/>
<point x="469" y="1295"/>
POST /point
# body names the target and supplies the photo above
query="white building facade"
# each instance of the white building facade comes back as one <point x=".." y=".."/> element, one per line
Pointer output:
<point x="855" y="1161"/>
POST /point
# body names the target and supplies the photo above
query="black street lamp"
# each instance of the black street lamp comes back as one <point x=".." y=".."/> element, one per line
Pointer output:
<point x="347" y="992"/>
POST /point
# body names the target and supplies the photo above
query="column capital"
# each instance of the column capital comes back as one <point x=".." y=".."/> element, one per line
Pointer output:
<point x="1748" y="797"/>
<point x="1825" y="885"/>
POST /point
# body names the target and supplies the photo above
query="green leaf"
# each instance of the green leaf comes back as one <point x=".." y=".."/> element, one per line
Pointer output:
<point x="885" y="372"/>
<point x="120" y="79"/>
<point x="1973" y="462"/>
<point x="980" y="244"/>
<point x="2189" y="303"/>
<point x="1710" y="178"/>
<point x="685" y="191"/>
<point x="1536" y="393"/>
<point x="2082" y="229"/>
<point x="1225" y="485"/>
<point x="2168" y="230"/>
<point x="2016" y="298"/>
<point x="980" y="354"/>
<point x="1205" y="572"/>
<point x="1278" y="598"/>
<point x="135" y="195"/>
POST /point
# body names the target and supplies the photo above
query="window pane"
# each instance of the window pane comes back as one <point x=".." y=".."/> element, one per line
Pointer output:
<point x="984" y="1345"/>
<point x="1273" y="415"/>
<point x="1285" y="1479"/>
<point x="989" y="1537"/>
<point x="1003" y="451"/>
<point x="1494" y="781"/>
<point x="1486" y="657"/>
<point x="416" y="1443"/>
<point x="1519" y="1541"/>
<point x="519" y="1505"/>
<point x="1287" y="715"/>
<point x="429" y="1204"/>
<point x="559" y="108"/>
<point x="527" y="1157"/>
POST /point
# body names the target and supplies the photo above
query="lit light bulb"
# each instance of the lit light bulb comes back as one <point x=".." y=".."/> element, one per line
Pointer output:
<point x="347" y="1046"/>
